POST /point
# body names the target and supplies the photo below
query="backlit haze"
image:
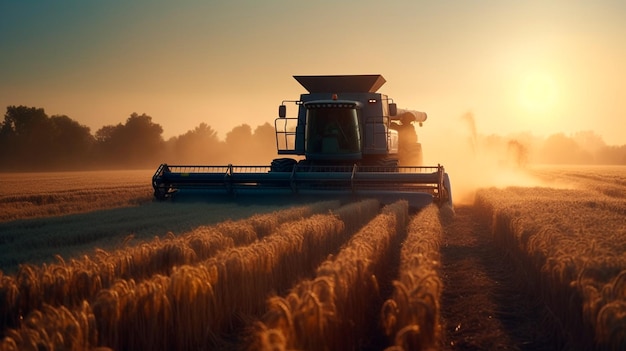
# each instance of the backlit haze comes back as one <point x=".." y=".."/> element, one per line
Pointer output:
<point x="542" y="67"/>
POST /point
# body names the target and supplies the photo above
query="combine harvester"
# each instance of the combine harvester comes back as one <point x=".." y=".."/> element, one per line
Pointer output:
<point x="350" y="141"/>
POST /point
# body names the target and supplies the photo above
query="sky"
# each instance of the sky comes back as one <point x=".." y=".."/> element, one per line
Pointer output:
<point x="526" y="66"/>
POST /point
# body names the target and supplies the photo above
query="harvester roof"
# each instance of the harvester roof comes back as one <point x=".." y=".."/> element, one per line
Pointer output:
<point x="364" y="83"/>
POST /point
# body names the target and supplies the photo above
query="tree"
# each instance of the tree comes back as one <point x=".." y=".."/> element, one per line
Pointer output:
<point x="73" y="142"/>
<point x="143" y="139"/>
<point x="30" y="140"/>
<point x="559" y="149"/>
<point x="8" y="141"/>
<point x="200" y="145"/>
<point x="23" y="121"/>
<point x="26" y="137"/>
<point x="238" y="145"/>
<point x="108" y="144"/>
<point x="612" y="155"/>
<point x="589" y="141"/>
<point x="107" y="133"/>
<point x="264" y="144"/>
<point x="137" y="143"/>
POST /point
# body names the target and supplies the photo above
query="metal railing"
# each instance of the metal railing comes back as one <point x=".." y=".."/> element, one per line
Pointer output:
<point x="353" y="178"/>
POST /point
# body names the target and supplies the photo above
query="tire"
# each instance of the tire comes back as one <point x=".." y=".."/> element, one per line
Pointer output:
<point x="282" y="165"/>
<point x="161" y="192"/>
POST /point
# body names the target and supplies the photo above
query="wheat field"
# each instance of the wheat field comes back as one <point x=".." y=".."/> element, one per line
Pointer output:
<point x="321" y="275"/>
<point x="571" y="242"/>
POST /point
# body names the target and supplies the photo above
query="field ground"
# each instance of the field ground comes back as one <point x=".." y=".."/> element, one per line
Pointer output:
<point x="495" y="277"/>
<point x="486" y="303"/>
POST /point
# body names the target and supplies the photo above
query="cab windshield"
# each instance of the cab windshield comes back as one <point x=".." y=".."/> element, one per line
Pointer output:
<point x="333" y="130"/>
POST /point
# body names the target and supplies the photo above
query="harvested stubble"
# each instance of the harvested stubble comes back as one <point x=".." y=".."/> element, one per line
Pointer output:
<point x="411" y="316"/>
<point x="332" y="311"/>
<point x="186" y="310"/>
<point x="69" y="283"/>
<point x="571" y="243"/>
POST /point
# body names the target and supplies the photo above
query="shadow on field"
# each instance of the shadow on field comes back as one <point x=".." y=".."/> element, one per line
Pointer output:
<point x="282" y="198"/>
<point x="485" y="303"/>
<point x="37" y="241"/>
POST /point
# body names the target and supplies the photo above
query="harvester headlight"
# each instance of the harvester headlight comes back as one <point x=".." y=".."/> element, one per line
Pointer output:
<point x="331" y="105"/>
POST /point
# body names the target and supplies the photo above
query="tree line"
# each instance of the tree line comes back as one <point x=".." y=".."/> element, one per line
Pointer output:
<point x="30" y="140"/>
<point x="581" y="148"/>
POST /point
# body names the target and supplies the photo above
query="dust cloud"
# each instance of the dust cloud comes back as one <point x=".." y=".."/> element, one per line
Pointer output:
<point x="475" y="161"/>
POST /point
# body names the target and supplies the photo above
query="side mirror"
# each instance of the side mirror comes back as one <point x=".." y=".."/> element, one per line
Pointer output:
<point x="393" y="109"/>
<point x="282" y="111"/>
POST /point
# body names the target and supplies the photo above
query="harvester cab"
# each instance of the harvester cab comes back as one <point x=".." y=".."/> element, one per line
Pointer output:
<point x="343" y="119"/>
<point x="348" y="139"/>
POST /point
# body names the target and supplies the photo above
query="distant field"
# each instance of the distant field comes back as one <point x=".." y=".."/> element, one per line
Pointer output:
<point x="32" y="195"/>
<point x="198" y="274"/>
<point x="606" y="180"/>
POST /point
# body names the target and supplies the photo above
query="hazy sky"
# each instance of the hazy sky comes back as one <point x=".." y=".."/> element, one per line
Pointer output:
<point x="539" y="66"/>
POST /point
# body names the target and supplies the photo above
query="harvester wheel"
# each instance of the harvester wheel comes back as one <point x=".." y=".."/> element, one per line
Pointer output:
<point x="282" y="165"/>
<point x="161" y="192"/>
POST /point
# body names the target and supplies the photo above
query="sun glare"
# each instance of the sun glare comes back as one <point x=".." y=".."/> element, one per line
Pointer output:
<point x="538" y="93"/>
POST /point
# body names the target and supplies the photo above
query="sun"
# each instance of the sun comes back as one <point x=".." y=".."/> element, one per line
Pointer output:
<point x="538" y="93"/>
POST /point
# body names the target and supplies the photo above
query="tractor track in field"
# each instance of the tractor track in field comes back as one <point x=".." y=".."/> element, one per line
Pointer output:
<point x="486" y="303"/>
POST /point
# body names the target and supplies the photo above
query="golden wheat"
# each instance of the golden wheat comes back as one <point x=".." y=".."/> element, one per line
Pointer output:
<point x="54" y="328"/>
<point x="571" y="244"/>
<point x="195" y="305"/>
<point x="327" y="312"/>
<point x="411" y="316"/>
<point x="69" y="283"/>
